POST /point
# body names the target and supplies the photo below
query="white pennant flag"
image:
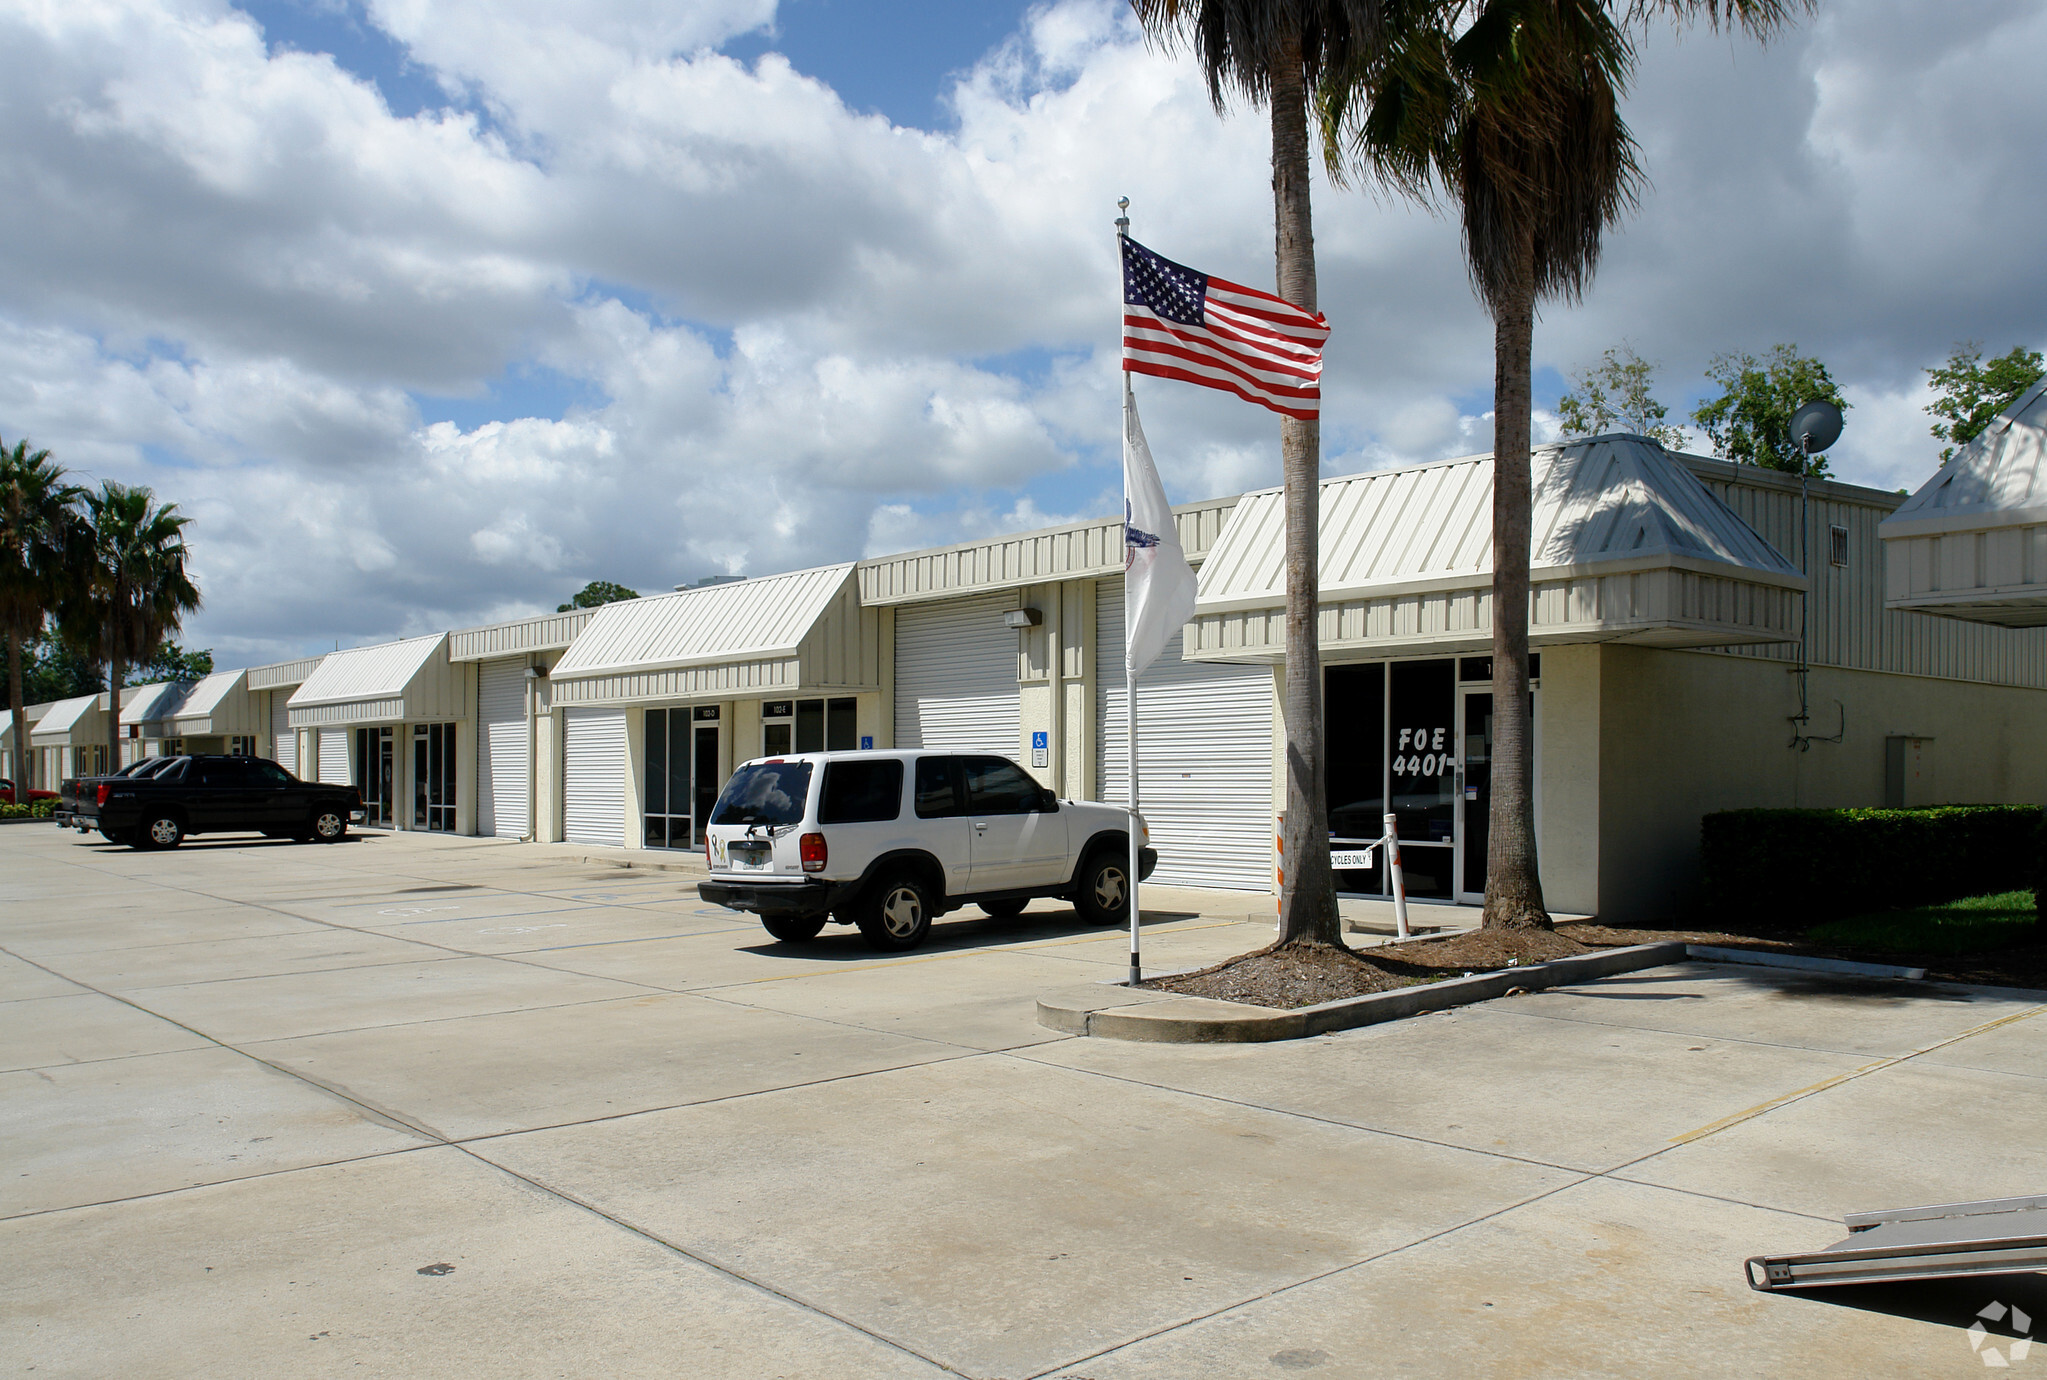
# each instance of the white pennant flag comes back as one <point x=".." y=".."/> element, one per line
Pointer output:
<point x="1158" y="584"/>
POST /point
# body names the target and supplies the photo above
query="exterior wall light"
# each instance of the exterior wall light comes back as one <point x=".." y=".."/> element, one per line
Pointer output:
<point x="1022" y="618"/>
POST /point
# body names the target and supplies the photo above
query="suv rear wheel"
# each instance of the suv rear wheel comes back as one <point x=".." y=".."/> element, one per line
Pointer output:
<point x="1104" y="894"/>
<point x="793" y="929"/>
<point x="896" y="914"/>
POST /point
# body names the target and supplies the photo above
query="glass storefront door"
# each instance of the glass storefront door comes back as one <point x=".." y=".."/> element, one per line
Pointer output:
<point x="433" y="777"/>
<point x="809" y="726"/>
<point x="1417" y="734"/>
<point x="680" y="775"/>
<point x="373" y="762"/>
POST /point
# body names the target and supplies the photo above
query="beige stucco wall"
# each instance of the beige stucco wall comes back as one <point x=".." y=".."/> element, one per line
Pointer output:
<point x="1683" y="734"/>
<point x="1567" y="707"/>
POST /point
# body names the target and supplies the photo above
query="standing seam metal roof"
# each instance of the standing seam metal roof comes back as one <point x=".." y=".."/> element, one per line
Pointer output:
<point x="205" y="696"/>
<point x="751" y="618"/>
<point x="1999" y="479"/>
<point x="1598" y="503"/>
<point x="382" y="671"/>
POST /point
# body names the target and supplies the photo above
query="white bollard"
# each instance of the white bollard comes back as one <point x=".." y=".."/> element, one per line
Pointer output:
<point x="1393" y="871"/>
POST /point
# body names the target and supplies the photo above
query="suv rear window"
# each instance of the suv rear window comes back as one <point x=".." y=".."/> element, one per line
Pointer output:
<point x="861" y="792"/>
<point x="764" y="793"/>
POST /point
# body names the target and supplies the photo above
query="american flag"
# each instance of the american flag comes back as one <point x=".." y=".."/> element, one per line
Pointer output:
<point x="1180" y="324"/>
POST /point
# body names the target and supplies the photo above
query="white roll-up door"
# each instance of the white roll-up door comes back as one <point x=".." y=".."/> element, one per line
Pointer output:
<point x="956" y="676"/>
<point x="284" y="743"/>
<point x="501" y="776"/>
<point x="334" y="757"/>
<point x="594" y="776"/>
<point x="1204" y="748"/>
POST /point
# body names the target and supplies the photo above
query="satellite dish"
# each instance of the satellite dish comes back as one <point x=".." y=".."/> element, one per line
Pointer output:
<point x="1816" y="425"/>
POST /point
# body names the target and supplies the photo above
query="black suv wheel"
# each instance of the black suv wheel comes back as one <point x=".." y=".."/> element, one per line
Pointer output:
<point x="896" y="913"/>
<point x="1104" y="894"/>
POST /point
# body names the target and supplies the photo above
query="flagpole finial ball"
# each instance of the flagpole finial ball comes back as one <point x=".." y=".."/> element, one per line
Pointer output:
<point x="1123" y="221"/>
<point x="1123" y="203"/>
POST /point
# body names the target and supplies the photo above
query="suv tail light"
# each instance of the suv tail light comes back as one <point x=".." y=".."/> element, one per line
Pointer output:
<point x="813" y="852"/>
<point x="707" y="848"/>
<point x="99" y="797"/>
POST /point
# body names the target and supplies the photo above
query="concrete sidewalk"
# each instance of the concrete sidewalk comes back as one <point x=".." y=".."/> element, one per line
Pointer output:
<point x="445" y="1107"/>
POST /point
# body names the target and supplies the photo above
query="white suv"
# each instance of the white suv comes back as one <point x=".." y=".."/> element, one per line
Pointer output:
<point x="889" y="841"/>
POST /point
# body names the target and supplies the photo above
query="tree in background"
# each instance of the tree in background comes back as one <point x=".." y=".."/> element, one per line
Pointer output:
<point x="1750" y="422"/>
<point x="52" y="669"/>
<point x="132" y="590"/>
<point x="39" y="527"/>
<point x="1968" y="394"/>
<point x="1274" y="53"/>
<point x="1613" y="395"/>
<point x="173" y="663"/>
<point x="596" y="594"/>
<point x="1510" y="110"/>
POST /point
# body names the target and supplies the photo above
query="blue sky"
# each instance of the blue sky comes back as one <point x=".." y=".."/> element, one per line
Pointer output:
<point x="500" y="296"/>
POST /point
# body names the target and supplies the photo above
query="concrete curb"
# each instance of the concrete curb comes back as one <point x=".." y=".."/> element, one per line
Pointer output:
<point x="1113" y="1011"/>
<point x="1713" y="953"/>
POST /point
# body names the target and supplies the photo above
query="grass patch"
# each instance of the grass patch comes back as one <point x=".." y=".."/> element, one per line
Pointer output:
<point x="1971" y="925"/>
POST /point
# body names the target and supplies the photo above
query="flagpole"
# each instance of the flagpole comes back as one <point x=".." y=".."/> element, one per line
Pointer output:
<point x="1129" y="676"/>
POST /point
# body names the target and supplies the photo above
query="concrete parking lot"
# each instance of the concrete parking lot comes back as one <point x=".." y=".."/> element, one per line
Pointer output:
<point x="456" y="1107"/>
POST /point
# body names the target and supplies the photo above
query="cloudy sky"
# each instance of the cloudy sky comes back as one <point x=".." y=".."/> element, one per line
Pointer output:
<point x="432" y="310"/>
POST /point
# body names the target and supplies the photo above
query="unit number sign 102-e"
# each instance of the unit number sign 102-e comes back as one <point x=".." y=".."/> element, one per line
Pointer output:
<point x="1423" y="752"/>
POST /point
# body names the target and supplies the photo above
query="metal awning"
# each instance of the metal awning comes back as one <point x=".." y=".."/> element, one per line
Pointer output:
<point x="148" y="707"/>
<point x="1626" y="546"/>
<point x="1972" y="543"/>
<point x="71" y="722"/>
<point x="218" y="706"/>
<point x="391" y="682"/>
<point x="773" y="635"/>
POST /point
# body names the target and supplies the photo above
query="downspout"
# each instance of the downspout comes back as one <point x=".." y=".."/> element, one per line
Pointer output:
<point x="532" y="753"/>
<point x="1055" y="668"/>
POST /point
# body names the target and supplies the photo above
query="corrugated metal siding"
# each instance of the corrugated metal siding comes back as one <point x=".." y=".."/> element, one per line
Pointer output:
<point x="748" y="621"/>
<point x="282" y="674"/>
<point x="219" y="704"/>
<point x="745" y="679"/>
<point x="501" y="761"/>
<point x="593" y="780"/>
<point x="1060" y="553"/>
<point x="284" y="743"/>
<point x="545" y="633"/>
<point x="1204" y="749"/>
<point x="1851" y="627"/>
<point x="336" y="760"/>
<point x="956" y="687"/>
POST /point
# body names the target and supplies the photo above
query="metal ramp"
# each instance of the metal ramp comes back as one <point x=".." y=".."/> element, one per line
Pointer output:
<point x="1998" y="1236"/>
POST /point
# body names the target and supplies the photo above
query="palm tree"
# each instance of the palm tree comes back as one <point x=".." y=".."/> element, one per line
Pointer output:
<point x="134" y="592"/>
<point x="1274" y="52"/>
<point x="38" y="519"/>
<point x="1511" y="110"/>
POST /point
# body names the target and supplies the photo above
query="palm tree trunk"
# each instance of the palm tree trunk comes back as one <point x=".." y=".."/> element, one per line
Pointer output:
<point x="24" y="760"/>
<point x="1307" y="897"/>
<point x="1513" y="879"/>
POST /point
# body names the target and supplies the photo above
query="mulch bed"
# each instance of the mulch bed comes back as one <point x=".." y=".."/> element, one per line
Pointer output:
<point x="1286" y="976"/>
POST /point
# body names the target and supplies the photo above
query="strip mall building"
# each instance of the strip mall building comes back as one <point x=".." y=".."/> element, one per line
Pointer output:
<point x="1670" y="593"/>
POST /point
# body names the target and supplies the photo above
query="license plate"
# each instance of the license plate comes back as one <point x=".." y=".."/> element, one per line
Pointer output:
<point x="1350" y="859"/>
<point x="750" y="859"/>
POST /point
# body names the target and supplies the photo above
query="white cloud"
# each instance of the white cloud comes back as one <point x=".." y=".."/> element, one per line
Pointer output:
<point x="789" y="333"/>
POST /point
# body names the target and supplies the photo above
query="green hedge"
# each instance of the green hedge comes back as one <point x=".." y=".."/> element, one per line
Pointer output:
<point x="1811" y="866"/>
<point x="2040" y="872"/>
<point x="35" y="809"/>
